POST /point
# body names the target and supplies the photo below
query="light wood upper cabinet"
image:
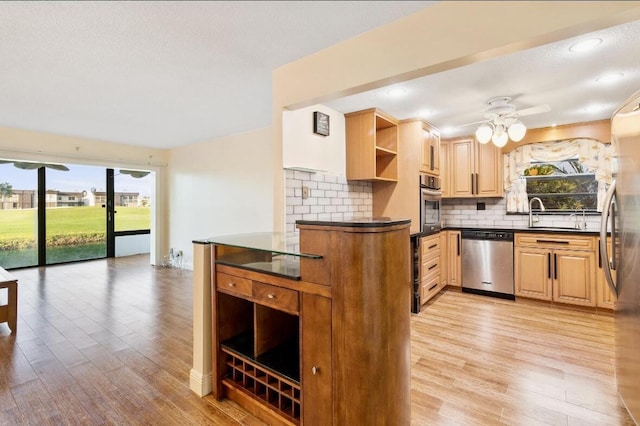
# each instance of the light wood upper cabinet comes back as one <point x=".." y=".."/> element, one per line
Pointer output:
<point x="473" y="169"/>
<point x="558" y="268"/>
<point x="372" y="146"/>
<point x="430" y="150"/>
<point x="445" y="172"/>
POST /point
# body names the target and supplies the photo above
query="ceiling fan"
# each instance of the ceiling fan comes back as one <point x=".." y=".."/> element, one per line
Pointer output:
<point x="502" y="121"/>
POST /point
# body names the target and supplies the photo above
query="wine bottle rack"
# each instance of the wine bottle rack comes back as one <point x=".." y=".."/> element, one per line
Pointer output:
<point x="281" y="394"/>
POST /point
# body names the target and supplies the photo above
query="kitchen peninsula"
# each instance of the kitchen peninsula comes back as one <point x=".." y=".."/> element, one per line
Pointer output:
<point x="310" y="331"/>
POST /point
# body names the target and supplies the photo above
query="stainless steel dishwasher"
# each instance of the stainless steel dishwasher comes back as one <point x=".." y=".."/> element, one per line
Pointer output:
<point x="487" y="263"/>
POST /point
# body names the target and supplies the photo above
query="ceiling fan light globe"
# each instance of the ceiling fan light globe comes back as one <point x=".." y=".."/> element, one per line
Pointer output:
<point x="500" y="139"/>
<point x="517" y="131"/>
<point x="484" y="133"/>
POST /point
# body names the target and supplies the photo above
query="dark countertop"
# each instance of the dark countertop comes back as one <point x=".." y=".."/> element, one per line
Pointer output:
<point x="537" y="230"/>
<point x="358" y="223"/>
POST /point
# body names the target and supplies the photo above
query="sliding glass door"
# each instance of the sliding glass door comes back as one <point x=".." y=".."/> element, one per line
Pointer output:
<point x="54" y="213"/>
<point x="75" y="215"/>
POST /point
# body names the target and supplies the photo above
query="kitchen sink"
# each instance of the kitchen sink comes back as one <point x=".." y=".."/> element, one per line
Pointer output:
<point x="556" y="228"/>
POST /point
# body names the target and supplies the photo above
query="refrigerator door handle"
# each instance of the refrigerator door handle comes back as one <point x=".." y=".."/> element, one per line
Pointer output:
<point x="608" y="211"/>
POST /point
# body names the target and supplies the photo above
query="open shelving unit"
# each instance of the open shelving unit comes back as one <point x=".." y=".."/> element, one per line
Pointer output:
<point x="372" y="146"/>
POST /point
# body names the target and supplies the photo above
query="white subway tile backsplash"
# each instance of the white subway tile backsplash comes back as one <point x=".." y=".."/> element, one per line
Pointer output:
<point x="301" y="209"/>
<point x="300" y="175"/>
<point x="330" y="198"/>
<point x="464" y="212"/>
<point x="310" y="184"/>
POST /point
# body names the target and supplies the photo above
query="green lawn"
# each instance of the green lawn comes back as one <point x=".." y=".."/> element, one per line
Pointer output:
<point x="20" y="225"/>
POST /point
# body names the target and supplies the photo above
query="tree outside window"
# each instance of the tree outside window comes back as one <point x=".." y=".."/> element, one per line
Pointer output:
<point x="562" y="185"/>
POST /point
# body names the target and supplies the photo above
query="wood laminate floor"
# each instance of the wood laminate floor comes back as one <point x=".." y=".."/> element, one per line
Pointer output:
<point x="109" y="342"/>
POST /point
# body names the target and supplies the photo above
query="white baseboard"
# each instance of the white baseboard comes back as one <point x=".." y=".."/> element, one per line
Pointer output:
<point x="199" y="383"/>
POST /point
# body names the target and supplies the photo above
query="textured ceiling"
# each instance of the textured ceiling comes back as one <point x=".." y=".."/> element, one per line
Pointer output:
<point x="167" y="74"/>
<point x="162" y="74"/>
<point x="549" y="74"/>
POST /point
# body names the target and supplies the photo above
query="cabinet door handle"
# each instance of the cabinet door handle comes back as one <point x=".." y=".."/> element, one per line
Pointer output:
<point x="315" y="370"/>
<point x="477" y="190"/>
<point x="433" y="246"/>
<point x="458" y="244"/>
<point x="232" y="284"/>
<point x="433" y="286"/>
<point x="555" y="266"/>
<point x="431" y="154"/>
<point x="271" y="296"/>
<point x="472" y="186"/>
<point x="433" y="266"/>
<point x="549" y="265"/>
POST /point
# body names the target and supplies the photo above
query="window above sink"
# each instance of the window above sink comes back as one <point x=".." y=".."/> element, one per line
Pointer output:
<point x="565" y="185"/>
<point x="568" y="175"/>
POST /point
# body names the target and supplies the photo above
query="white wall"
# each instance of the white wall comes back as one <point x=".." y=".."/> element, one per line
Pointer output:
<point x="303" y="149"/>
<point x="220" y="187"/>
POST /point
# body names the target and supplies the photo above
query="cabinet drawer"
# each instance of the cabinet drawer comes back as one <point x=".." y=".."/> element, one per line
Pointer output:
<point x="430" y="266"/>
<point x="429" y="244"/>
<point x="276" y="297"/>
<point x="574" y="242"/>
<point x="234" y="285"/>
<point x="430" y="288"/>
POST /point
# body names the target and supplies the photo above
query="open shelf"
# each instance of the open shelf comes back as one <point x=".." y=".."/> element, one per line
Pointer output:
<point x="283" y="360"/>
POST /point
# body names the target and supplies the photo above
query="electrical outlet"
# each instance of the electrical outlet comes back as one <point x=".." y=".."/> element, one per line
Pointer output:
<point x="305" y="192"/>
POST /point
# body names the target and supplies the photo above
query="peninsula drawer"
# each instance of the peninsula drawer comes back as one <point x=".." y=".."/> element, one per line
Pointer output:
<point x="276" y="297"/>
<point x="234" y="285"/>
<point x="575" y="242"/>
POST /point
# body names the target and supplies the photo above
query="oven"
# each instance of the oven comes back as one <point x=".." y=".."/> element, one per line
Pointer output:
<point x="430" y="198"/>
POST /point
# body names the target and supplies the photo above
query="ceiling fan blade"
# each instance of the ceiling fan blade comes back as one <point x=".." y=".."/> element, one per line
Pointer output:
<point x="533" y="110"/>
<point x="473" y="122"/>
<point x="60" y="167"/>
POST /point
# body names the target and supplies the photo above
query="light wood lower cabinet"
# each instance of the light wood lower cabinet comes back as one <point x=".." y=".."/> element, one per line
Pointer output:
<point x="556" y="268"/>
<point x="532" y="273"/>
<point x="430" y="279"/>
<point x="454" y="261"/>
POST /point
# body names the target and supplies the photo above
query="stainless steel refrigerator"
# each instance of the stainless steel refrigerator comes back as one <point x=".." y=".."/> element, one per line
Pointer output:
<point x="622" y="219"/>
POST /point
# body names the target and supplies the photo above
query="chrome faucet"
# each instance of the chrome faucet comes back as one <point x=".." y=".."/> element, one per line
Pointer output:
<point x="531" y="209"/>
<point x="579" y="225"/>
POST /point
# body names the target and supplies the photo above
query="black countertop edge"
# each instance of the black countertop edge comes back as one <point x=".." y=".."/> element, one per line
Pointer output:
<point x="375" y="222"/>
<point x="534" y="230"/>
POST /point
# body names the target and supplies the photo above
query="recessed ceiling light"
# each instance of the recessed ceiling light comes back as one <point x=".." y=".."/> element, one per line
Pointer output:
<point x="398" y="91"/>
<point x="583" y="46"/>
<point x="609" y="78"/>
<point x="594" y="108"/>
